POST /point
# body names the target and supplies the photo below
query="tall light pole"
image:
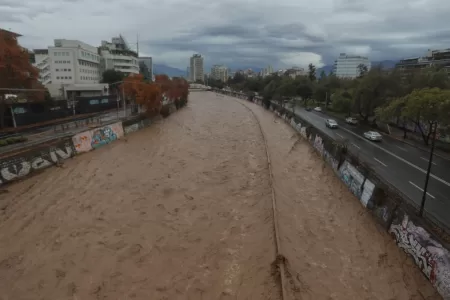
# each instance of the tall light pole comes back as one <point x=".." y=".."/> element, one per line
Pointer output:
<point x="430" y="161"/>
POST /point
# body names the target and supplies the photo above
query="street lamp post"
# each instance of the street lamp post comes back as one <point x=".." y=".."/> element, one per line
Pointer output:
<point x="427" y="178"/>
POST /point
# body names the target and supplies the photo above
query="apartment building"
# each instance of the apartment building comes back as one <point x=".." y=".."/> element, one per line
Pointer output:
<point x="439" y="58"/>
<point x="196" y="71"/>
<point x="295" y="71"/>
<point x="219" y="72"/>
<point x="117" y="55"/>
<point x="347" y="66"/>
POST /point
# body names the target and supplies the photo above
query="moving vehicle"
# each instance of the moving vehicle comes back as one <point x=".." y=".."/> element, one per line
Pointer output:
<point x="308" y="109"/>
<point x="373" y="136"/>
<point x="351" y="120"/>
<point x="330" y="123"/>
<point x="317" y="108"/>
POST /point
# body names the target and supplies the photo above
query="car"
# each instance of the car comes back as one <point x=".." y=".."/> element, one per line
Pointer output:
<point x="317" y="108"/>
<point x="308" y="109"/>
<point x="351" y="120"/>
<point x="373" y="136"/>
<point x="330" y="123"/>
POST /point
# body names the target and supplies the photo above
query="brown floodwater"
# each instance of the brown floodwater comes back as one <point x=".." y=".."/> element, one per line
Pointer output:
<point x="182" y="210"/>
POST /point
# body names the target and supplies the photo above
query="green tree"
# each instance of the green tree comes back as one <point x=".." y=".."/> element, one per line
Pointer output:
<point x="312" y="72"/>
<point x="112" y="76"/>
<point x="424" y="107"/>
<point x="362" y="69"/>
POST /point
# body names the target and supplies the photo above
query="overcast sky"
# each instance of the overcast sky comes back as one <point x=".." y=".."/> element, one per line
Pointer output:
<point x="282" y="33"/>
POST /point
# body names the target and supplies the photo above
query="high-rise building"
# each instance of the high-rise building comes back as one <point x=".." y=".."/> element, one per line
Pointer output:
<point x="347" y="66"/>
<point x="439" y="58"/>
<point x="196" y="68"/>
<point x="117" y="55"/>
<point x="146" y="67"/>
<point x="219" y="72"/>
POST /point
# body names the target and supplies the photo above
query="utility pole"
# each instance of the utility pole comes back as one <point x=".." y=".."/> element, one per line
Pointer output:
<point x="427" y="178"/>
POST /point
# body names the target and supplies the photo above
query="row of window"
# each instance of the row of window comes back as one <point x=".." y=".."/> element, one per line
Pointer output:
<point x="64" y="70"/>
<point x="89" y="71"/>
<point x="61" y="53"/>
<point x="62" y="61"/>
<point x="90" y="55"/>
<point x="88" y="78"/>
<point x="86" y="63"/>
<point x="63" y="77"/>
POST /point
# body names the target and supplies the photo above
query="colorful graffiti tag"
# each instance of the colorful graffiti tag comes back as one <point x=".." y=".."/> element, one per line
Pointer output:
<point x="355" y="180"/>
<point x="102" y="136"/>
<point x="429" y="255"/>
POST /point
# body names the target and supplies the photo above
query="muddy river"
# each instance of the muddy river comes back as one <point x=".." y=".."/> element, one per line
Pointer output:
<point x="183" y="210"/>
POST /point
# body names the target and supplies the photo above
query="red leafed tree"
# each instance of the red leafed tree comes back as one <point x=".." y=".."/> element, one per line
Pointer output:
<point x="146" y="94"/>
<point x="16" y="71"/>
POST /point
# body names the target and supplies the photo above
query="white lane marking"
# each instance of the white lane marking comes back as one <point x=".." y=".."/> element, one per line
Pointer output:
<point x="380" y="162"/>
<point x="356" y="146"/>
<point x="401" y="159"/>
<point x="401" y="148"/>
<point x="426" y="159"/>
<point x="396" y="156"/>
<point x="339" y="135"/>
<point x="419" y="188"/>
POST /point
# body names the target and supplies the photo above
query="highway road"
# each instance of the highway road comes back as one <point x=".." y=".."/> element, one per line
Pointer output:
<point x="402" y="165"/>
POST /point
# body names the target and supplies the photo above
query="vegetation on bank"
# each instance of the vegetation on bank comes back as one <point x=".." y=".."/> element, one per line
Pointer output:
<point x="420" y="98"/>
<point x="12" y="140"/>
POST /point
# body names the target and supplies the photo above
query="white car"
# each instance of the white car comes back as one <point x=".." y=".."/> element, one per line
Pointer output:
<point x="373" y="136"/>
<point x="351" y="120"/>
<point x="330" y="123"/>
<point x="317" y="108"/>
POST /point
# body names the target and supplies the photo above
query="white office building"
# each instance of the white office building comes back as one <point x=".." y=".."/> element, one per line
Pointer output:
<point x="219" y="72"/>
<point x="117" y="55"/>
<point x="69" y="65"/>
<point x="347" y="66"/>
<point x="196" y="68"/>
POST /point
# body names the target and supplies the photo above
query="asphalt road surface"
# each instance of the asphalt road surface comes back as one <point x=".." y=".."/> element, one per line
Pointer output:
<point x="402" y="165"/>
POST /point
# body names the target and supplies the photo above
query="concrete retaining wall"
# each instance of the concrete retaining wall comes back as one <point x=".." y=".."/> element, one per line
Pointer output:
<point x="17" y="165"/>
<point x="414" y="235"/>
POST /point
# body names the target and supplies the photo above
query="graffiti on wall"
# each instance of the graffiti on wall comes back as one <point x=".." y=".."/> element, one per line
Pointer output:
<point x="318" y="144"/>
<point x="131" y="128"/>
<point x="82" y="141"/>
<point x="93" y="139"/>
<point x="20" y="166"/>
<point x="355" y="180"/>
<point x="429" y="255"/>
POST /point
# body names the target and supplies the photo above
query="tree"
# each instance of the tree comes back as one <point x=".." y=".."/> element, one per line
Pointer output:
<point x="16" y="71"/>
<point x="424" y="107"/>
<point x="112" y="76"/>
<point x="312" y="72"/>
<point x="362" y="69"/>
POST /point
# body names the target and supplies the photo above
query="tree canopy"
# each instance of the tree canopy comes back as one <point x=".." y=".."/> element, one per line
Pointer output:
<point x="111" y="76"/>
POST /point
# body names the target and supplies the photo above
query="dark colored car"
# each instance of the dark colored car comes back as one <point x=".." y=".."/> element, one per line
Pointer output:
<point x="308" y="109"/>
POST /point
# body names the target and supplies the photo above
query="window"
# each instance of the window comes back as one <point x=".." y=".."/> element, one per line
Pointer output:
<point x="66" y="77"/>
<point x="57" y="77"/>
<point x="57" y="70"/>
<point x="70" y="77"/>
<point x="65" y="70"/>
<point x="70" y="70"/>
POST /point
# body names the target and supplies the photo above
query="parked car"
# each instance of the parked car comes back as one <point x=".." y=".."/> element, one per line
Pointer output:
<point x="351" y="120"/>
<point x="308" y="109"/>
<point x="330" y="123"/>
<point x="373" y="136"/>
<point x="317" y="108"/>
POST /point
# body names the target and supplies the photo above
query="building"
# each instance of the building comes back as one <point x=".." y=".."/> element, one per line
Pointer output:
<point x="295" y="71"/>
<point x="118" y="56"/>
<point x="196" y="68"/>
<point x="438" y="58"/>
<point x="219" y="72"/>
<point x="146" y="67"/>
<point x="347" y="66"/>
<point x="266" y="71"/>
<point x="70" y="66"/>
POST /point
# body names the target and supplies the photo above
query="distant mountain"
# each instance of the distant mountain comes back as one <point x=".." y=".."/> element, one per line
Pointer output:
<point x="385" y="64"/>
<point x="169" y="71"/>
